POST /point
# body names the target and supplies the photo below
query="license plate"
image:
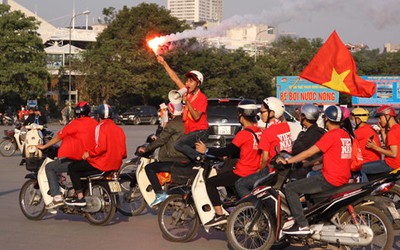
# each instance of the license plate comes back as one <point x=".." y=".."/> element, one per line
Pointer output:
<point x="393" y="211"/>
<point x="224" y="130"/>
<point x="115" y="187"/>
<point x="124" y="119"/>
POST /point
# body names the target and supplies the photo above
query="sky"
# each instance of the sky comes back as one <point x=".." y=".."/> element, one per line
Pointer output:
<point x="372" y="22"/>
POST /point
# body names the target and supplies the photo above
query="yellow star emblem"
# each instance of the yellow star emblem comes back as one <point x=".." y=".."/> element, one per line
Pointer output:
<point x="337" y="81"/>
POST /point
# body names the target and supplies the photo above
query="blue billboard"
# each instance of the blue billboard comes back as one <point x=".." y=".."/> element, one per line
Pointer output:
<point x="387" y="91"/>
<point x="304" y="92"/>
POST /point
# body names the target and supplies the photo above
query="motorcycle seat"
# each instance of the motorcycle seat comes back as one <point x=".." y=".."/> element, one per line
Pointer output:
<point x="338" y="190"/>
<point x="95" y="175"/>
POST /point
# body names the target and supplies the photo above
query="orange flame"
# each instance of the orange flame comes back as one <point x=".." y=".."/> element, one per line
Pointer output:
<point x="156" y="43"/>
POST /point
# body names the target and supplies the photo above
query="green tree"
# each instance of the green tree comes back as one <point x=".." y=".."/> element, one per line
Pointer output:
<point x="22" y="64"/>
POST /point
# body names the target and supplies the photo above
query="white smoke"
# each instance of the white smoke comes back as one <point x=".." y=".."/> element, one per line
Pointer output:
<point x="380" y="13"/>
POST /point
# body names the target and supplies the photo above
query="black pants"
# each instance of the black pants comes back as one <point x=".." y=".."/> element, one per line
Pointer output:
<point x="311" y="185"/>
<point x="226" y="179"/>
<point x="156" y="167"/>
<point x="79" y="169"/>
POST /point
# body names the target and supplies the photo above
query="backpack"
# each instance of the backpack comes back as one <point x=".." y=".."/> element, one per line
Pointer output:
<point x="357" y="158"/>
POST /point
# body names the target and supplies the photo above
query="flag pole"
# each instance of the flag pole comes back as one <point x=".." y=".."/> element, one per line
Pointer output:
<point x="287" y="91"/>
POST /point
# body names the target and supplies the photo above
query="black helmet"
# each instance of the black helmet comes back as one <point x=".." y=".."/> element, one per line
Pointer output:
<point x="82" y="109"/>
<point x="310" y="112"/>
<point x="104" y="111"/>
<point x="247" y="108"/>
<point x="333" y="113"/>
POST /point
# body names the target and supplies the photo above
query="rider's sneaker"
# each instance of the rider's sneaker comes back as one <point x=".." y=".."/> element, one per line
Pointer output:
<point x="159" y="198"/>
<point x="217" y="220"/>
<point x="54" y="204"/>
<point x="297" y="230"/>
<point x="76" y="202"/>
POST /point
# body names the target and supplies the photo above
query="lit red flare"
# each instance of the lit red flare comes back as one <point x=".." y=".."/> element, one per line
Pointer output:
<point x="156" y="43"/>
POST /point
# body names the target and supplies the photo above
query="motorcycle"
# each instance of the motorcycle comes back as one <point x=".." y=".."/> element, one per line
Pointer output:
<point x="100" y="193"/>
<point x="13" y="140"/>
<point x="136" y="190"/>
<point x="8" y="120"/>
<point x="341" y="217"/>
<point x="188" y="205"/>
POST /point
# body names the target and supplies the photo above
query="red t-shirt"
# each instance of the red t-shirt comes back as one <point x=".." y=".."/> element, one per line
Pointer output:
<point x="77" y="137"/>
<point x="249" y="161"/>
<point x="110" y="147"/>
<point x="363" y="133"/>
<point x="336" y="146"/>
<point x="199" y="102"/>
<point x="393" y="138"/>
<point x="275" y="135"/>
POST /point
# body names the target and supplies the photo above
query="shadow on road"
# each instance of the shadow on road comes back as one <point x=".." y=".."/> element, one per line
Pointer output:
<point x="9" y="191"/>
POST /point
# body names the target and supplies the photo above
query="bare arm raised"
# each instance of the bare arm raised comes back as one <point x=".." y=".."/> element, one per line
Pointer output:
<point x="174" y="77"/>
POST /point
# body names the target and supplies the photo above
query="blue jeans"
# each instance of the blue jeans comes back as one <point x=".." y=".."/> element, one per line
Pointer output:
<point x="374" y="167"/>
<point x="311" y="185"/>
<point x="52" y="169"/>
<point x="186" y="146"/>
<point x="244" y="185"/>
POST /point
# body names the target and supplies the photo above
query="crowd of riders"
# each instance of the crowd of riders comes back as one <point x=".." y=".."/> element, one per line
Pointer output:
<point x="323" y="154"/>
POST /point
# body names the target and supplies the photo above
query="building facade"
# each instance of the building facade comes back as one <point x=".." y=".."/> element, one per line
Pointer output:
<point x="61" y="46"/>
<point x="196" y="10"/>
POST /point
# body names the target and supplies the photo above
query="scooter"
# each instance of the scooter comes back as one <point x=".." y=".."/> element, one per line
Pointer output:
<point x="9" y="120"/>
<point x="136" y="190"/>
<point x="100" y="193"/>
<point x="188" y="205"/>
<point x="13" y="140"/>
<point x="340" y="217"/>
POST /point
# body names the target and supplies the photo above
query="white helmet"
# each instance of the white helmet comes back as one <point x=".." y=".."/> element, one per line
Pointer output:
<point x="274" y="104"/>
<point x="175" y="108"/>
<point x="196" y="74"/>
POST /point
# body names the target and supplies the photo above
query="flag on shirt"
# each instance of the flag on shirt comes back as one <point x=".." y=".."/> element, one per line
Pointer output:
<point x="333" y="67"/>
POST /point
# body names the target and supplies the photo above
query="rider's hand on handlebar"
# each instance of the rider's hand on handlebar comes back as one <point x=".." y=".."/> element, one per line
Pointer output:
<point x="40" y="146"/>
<point x="200" y="147"/>
<point x="282" y="161"/>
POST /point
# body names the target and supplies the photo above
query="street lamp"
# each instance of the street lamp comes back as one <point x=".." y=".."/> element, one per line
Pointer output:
<point x="255" y="42"/>
<point x="86" y="12"/>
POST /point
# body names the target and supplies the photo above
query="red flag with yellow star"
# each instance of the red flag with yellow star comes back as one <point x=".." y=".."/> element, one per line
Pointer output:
<point x="334" y="67"/>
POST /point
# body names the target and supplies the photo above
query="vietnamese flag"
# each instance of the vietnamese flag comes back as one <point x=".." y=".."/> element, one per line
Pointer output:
<point x="333" y="67"/>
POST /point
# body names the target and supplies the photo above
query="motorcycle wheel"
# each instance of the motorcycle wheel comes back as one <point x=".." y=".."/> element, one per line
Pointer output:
<point x="261" y="237"/>
<point x="31" y="201"/>
<point x="129" y="169"/>
<point x="7" y="148"/>
<point x="108" y="206"/>
<point x="177" y="220"/>
<point x="131" y="201"/>
<point x="394" y="194"/>
<point x="379" y="223"/>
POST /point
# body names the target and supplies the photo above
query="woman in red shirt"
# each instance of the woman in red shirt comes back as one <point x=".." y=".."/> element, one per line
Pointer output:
<point x="365" y="132"/>
<point x="390" y="131"/>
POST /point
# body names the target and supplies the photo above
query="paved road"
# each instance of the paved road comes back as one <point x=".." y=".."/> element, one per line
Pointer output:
<point x="73" y="232"/>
